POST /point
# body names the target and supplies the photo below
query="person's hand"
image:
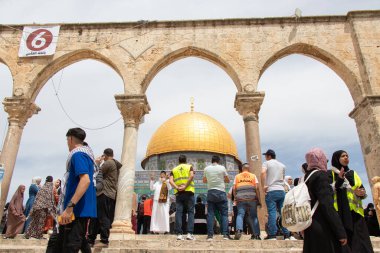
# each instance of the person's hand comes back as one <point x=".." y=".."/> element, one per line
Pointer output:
<point x="66" y="216"/>
<point x="181" y="187"/>
<point x="99" y="160"/>
<point x="343" y="241"/>
<point x="265" y="189"/>
<point x="341" y="173"/>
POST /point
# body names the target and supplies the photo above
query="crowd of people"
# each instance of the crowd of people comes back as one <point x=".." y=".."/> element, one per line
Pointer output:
<point x="37" y="217"/>
<point x="339" y="223"/>
<point x="81" y="206"/>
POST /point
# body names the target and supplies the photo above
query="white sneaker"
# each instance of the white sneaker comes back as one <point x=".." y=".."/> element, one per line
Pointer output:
<point x="291" y="238"/>
<point x="180" y="237"/>
<point x="190" y="237"/>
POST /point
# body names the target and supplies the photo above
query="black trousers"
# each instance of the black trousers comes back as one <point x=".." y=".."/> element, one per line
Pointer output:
<point x="70" y="239"/>
<point x="140" y="224"/>
<point x="146" y="227"/>
<point x="102" y="224"/>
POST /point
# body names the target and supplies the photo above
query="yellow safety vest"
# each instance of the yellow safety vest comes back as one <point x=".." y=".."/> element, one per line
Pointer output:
<point x="181" y="175"/>
<point x="354" y="201"/>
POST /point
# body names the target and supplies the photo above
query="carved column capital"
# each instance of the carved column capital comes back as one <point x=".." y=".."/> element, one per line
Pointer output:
<point x="248" y="104"/>
<point x="370" y="100"/>
<point x="19" y="110"/>
<point x="132" y="108"/>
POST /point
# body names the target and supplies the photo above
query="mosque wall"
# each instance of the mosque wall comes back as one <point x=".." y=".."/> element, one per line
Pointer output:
<point x="199" y="160"/>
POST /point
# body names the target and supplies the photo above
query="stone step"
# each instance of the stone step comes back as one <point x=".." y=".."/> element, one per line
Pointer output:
<point x="236" y="250"/>
<point x="168" y="243"/>
<point x="189" y="250"/>
<point x="22" y="249"/>
<point x="39" y="249"/>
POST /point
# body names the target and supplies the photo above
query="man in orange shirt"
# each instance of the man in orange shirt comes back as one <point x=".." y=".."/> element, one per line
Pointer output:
<point x="247" y="197"/>
<point x="148" y="205"/>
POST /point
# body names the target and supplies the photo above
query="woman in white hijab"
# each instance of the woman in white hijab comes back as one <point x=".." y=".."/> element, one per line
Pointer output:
<point x="288" y="180"/>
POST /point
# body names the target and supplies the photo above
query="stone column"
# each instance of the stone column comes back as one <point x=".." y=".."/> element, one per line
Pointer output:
<point x="248" y="105"/>
<point x="19" y="111"/>
<point x="133" y="108"/>
<point x="367" y="117"/>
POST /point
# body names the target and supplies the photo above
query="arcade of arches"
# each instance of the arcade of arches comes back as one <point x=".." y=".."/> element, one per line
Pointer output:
<point x="244" y="48"/>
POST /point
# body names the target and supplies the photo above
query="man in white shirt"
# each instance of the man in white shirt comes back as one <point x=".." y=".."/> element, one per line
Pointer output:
<point x="215" y="175"/>
<point x="272" y="179"/>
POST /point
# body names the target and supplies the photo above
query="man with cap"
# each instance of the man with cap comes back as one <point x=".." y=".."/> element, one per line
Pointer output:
<point x="105" y="197"/>
<point x="272" y="179"/>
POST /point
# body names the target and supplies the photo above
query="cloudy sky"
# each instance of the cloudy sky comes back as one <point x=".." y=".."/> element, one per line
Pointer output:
<point x="306" y="103"/>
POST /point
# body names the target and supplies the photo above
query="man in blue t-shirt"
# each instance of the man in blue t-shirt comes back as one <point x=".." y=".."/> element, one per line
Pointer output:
<point x="78" y="195"/>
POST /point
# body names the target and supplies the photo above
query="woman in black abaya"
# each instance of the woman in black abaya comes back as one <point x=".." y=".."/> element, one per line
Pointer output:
<point x="346" y="180"/>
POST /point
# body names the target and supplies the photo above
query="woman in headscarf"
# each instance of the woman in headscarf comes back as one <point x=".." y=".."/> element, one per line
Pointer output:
<point x="49" y="223"/>
<point x="326" y="233"/>
<point x="160" y="212"/>
<point x="348" y="195"/>
<point x="16" y="217"/>
<point x="43" y="206"/>
<point x="33" y="189"/>
<point x="288" y="183"/>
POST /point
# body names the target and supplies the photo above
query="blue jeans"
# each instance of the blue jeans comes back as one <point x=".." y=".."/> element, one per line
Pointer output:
<point x="217" y="200"/>
<point x="274" y="201"/>
<point x="250" y="206"/>
<point x="184" y="200"/>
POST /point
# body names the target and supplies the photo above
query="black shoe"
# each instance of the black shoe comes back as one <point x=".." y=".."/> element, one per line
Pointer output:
<point x="237" y="235"/>
<point x="227" y="237"/>
<point x="255" y="237"/>
<point x="105" y="241"/>
<point x="270" y="237"/>
<point x="210" y="238"/>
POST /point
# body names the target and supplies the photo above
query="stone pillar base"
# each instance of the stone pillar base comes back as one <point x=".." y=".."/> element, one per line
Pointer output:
<point x="120" y="226"/>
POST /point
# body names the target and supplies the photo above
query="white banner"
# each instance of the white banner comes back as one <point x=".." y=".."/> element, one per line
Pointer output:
<point x="38" y="41"/>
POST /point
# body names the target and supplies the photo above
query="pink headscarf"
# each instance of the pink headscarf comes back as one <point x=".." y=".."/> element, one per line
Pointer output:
<point x="316" y="158"/>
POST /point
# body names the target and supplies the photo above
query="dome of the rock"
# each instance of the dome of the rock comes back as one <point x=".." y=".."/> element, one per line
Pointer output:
<point x="192" y="131"/>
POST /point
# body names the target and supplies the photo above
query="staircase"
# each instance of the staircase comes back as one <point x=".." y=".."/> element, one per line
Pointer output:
<point x="168" y="243"/>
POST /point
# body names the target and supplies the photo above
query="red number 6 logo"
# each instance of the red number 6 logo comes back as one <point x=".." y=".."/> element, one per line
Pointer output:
<point x="39" y="39"/>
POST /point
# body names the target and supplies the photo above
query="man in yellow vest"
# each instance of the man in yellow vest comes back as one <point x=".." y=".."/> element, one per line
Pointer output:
<point x="181" y="178"/>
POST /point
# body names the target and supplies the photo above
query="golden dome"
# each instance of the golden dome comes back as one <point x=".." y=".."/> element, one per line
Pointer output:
<point x="191" y="131"/>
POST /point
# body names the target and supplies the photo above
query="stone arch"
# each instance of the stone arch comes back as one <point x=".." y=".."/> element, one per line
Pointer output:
<point x="49" y="70"/>
<point x="324" y="57"/>
<point x="188" y="52"/>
